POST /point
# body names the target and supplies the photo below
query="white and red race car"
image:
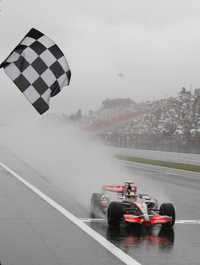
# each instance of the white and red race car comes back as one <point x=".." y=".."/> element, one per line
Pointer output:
<point x="122" y="204"/>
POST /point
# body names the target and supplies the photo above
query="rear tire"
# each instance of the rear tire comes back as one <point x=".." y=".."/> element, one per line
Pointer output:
<point x="94" y="204"/>
<point x="115" y="214"/>
<point x="169" y="210"/>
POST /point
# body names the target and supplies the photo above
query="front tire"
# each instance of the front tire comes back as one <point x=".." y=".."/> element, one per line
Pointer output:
<point x="169" y="210"/>
<point x="114" y="214"/>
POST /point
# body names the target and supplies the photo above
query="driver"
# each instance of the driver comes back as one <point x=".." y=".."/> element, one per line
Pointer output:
<point x="129" y="193"/>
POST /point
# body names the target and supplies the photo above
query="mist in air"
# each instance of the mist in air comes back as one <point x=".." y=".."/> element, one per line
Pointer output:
<point x="69" y="158"/>
<point x="63" y="154"/>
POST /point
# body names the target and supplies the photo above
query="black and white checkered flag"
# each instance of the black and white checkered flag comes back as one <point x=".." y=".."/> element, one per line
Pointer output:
<point x="38" y="68"/>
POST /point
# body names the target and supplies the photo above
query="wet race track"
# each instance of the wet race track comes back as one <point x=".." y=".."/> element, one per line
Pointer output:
<point x="35" y="231"/>
<point x="155" y="246"/>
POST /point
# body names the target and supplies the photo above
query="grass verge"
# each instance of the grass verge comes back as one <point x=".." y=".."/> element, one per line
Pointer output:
<point x="188" y="167"/>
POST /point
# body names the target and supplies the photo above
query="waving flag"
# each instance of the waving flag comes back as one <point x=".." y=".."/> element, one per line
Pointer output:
<point x="38" y="68"/>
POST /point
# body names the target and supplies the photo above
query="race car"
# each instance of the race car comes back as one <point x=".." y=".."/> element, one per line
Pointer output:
<point x="122" y="204"/>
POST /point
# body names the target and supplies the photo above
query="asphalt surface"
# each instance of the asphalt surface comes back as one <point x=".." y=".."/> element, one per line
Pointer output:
<point x="32" y="232"/>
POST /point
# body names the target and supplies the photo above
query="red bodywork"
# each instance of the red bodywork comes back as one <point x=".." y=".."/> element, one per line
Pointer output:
<point x="156" y="219"/>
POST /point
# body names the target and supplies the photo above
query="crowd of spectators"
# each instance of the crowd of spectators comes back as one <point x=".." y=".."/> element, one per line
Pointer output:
<point x="169" y="123"/>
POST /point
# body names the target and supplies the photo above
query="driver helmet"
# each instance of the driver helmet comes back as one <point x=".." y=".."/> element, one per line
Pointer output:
<point x="130" y="193"/>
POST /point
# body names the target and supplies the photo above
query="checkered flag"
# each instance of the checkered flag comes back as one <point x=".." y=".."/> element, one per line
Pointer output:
<point x="38" y="68"/>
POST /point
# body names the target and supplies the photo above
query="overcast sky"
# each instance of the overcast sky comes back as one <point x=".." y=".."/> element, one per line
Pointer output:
<point x="138" y="49"/>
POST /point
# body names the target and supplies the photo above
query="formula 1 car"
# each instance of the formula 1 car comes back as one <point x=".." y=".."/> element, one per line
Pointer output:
<point x="129" y="207"/>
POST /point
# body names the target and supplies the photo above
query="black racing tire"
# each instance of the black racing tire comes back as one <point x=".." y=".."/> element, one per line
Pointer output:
<point x="169" y="210"/>
<point x="115" y="214"/>
<point x="94" y="204"/>
<point x="167" y="237"/>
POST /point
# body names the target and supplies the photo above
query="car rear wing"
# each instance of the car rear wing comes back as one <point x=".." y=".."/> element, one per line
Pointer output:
<point x="117" y="188"/>
<point x="114" y="188"/>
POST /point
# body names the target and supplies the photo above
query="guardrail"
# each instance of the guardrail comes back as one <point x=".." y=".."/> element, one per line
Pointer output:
<point x="185" y="158"/>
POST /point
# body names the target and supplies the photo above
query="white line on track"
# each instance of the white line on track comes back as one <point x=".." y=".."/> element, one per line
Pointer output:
<point x="101" y="220"/>
<point x="92" y="220"/>
<point x="96" y="236"/>
<point x="188" y="222"/>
